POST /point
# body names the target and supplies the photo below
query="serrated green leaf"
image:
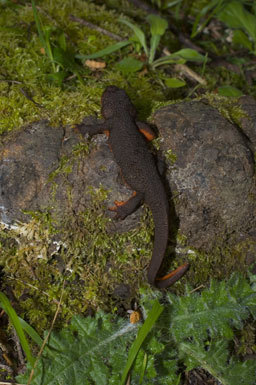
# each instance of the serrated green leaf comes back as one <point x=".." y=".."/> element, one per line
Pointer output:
<point x="215" y="360"/>
<point x="84" y="352"/>
<point x="218" y="309"/>
<point x="149" y="373"/>
<point x="194" y="330"/>
<point x="235" y="372"/>
<point x="100" y="372"/>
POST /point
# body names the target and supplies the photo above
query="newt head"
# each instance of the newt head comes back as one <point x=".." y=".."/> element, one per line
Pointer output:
<point x="115" y="102"/>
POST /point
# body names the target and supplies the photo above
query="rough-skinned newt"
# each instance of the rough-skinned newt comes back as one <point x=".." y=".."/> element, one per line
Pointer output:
<point x="128" y="141"/>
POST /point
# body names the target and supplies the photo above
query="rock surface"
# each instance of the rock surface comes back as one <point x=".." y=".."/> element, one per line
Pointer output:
<point x="30" y="158"/>
<point x="26" y="161"/>
<point x="214" y="174"/>
<point x="213" y="178"/>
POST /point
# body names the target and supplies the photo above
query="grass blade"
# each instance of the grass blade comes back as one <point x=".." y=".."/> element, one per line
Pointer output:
<point x="143" y="369"/>
<point x="31" y="332"/>
<point x="38" y="24"/>
<point x="44" y="38"/>
<point x="138" y="32"/>
<point x="142" y="334"/>
<point x="106" y="51"/>
<point x="6" y="305"/>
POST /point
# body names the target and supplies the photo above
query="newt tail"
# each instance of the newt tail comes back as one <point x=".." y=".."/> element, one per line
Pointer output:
<point x="161" y="220"/>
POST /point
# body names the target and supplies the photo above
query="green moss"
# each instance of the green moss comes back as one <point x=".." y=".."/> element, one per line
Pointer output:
<point x="228" y="107"/>
<point x="218" y="263"/>
<point x="25" y="68"/>
<point x="67" y="161"/>
<point x="170" y="156"/>
<point x="88" y="260"/>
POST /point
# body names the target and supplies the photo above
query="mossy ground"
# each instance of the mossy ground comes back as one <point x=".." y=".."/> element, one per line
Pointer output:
<point x="86" y="263"/>
<point x="90" y="262"/>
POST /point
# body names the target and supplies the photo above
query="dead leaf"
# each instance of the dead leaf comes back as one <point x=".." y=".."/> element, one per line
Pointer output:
<point x="95" y="65"/>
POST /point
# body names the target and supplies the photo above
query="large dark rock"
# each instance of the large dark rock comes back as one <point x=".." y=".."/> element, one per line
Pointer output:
<point x="248" y="122"/>
<point x="26" y="161"/>
<point x="39" y="170"/>
<point x="214" y="174"/>
<point x="213" y="178"/>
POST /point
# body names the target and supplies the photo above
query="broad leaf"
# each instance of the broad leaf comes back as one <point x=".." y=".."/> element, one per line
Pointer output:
<point x="190" y="55"/>
<point x="229" y="91"/>
<point x="129" y="65"/>
<point x="158" y="25"/>
<point x="174" y="83"/>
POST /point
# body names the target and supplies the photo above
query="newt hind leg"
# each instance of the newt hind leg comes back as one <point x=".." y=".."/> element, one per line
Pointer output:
<point x="123" y="209"/>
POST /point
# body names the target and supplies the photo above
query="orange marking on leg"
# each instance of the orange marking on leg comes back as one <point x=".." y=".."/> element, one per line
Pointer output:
<point x="119" y="203"/>
<point x="180" y="270"/>
<point x="112" y="208"/>
<point x="148" y="135"/>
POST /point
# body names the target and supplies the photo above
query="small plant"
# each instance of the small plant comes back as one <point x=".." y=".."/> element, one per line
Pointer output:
<point x="235" y="15"/>
<point x="61" y="57"/>
<point x="195" y="330"/>
<point x="158" y="27"/>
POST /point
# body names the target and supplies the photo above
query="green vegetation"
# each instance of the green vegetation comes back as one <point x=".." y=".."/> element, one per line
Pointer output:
<point x="7" y="307"/>
<point x="61" y="58"/>
<point x="41" y="51"/>
<point x="129" y="64"/>
<point x="90" y="260"/>
<point x="236" y="16"/>
<point x="194" y="330"/>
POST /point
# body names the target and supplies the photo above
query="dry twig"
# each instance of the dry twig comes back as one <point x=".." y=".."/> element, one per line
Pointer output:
<point x="95" y="27"/>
